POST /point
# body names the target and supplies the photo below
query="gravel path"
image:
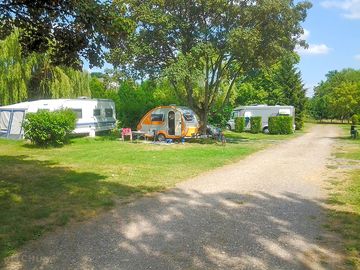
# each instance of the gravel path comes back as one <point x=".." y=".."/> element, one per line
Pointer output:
<point x="264" y="212"/>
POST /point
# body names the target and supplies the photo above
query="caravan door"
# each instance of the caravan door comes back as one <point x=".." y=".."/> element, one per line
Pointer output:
<point x="177" y="123"/>
<point x="171" y="123"/>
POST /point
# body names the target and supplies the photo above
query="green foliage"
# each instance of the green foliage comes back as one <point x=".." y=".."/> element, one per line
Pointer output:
<point x="34" y="77"/>
<point x="68" y="30"/>
<point x="355" y="119"/>
<point x="279" y="84"/>
<point x="256" y="124"/>
<point x="204" y="47"/>
<point x="338" y="97"/>
<point x="239" y="124"/>
<point x="46" y="128"/>
<point x="280" y="125"/>
<point x="97" y="88"/>
<point x="219" y="117"/>
<point x="132" y="99"/>
<point x="15" y="71"/>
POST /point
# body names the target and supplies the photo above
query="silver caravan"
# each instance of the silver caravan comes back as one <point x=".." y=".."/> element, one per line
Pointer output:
<point x="264" y="111"/>
<point x="92" y="115"/>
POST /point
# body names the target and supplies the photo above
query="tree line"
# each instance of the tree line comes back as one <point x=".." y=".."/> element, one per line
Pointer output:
<point x="338" y="97"/>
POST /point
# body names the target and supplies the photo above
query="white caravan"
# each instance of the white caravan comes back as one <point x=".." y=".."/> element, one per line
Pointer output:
<point x="92" y="115"/>
<point x="264" y="111"/>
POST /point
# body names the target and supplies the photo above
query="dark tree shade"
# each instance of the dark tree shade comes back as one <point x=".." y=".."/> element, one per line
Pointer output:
<point x="67" y="29"/>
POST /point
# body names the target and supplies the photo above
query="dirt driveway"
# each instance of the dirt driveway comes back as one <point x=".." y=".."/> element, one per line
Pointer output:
<point x="264" y="212"/>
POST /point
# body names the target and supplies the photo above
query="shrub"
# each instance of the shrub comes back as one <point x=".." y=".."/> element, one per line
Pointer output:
<point x="255" y="124"/>
<point x="355" y="119"/>
<point x="239" y="124"/>
<point x="46" y="128"/>
<point x="280" y="125"/>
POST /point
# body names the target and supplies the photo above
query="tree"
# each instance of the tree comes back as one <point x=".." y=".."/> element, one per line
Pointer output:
<point x="34" y="77"/>
<point x="66" y="29"/>
<point x="15" y="71"/>
<point x="288" y="79"/>
<point x="338" y="97"/>
<point x="279" y="84"/>
<point x="203" y="47"/>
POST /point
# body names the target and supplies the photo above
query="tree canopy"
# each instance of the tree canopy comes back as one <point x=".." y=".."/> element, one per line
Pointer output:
<point x="204" y="47"/>
<point x="338" y="97"/>
<point x="67" y="30"/>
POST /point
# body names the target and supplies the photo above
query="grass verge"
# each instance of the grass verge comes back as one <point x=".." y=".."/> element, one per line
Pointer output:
<point x="41" y="189"/>
<point x="344" y="216"/>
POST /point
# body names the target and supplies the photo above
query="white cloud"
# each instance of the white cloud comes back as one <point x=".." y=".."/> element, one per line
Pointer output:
<point x="357" y="57"/>
<point x="351" y="7"/>
<point x="314" y="49"/>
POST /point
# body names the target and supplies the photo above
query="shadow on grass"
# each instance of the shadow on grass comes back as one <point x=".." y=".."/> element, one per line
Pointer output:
<point x="37" y="196"/>
<point x="347" y="225"/>
<point x="187" y="229"/>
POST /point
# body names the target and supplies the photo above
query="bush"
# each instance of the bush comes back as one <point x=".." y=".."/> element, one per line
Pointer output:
<point x="239" y="124"/>
<point x="46" y="128"/>
<point x="355" y="119"/>
<point x="255" y="124"/>
<point x="280" y="125"/>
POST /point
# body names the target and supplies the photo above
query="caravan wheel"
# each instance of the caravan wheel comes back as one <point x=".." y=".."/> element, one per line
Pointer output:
<point x="161" y="137"/>
<point x="266" y="130"/>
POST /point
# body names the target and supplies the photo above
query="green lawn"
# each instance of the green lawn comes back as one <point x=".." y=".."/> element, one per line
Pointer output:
<point x="345" y="199"/>
<point x="41" y="189"/>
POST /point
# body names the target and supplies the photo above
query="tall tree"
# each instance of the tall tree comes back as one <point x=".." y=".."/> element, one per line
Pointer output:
<point x="203" y="47"/>
<point x="288" y="80"/>
<point x="67" y="29"/>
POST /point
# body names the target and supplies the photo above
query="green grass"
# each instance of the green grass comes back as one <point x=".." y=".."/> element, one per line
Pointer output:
<point x="345" y="200"/>
<point x="41" y="189"/>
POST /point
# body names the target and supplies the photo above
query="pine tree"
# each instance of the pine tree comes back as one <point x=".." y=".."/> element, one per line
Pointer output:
<point x="288" y="79"/>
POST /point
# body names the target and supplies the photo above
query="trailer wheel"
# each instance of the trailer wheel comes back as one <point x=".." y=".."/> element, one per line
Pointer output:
<point x="266" y="130"/>
<point x="161" y="137"/>
<point x="228" y="127"/>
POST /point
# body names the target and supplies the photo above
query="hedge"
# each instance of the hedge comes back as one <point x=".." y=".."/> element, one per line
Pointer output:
<point x="239" y="124"/>
<point x="281" y="125"/>
<point x="46" y="128"/>
<point x="255" y="124"/>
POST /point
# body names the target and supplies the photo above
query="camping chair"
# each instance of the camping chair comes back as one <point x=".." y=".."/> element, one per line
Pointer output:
<point x="126" y="132"/>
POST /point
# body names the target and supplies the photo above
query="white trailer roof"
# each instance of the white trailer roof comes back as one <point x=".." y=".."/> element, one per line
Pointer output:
<point x="47" y="103"/>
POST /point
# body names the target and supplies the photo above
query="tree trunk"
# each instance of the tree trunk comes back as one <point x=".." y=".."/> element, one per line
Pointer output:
<point x="203" y="121"/>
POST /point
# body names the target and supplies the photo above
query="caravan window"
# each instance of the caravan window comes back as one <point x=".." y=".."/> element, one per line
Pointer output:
<point x="78" y="113"/>
<point x="235" y="114"/>
<point x="108" y="112"/>
<point x="157" y="117"/>
<point x="97" y="112"/>
<point x="189" y="117"/>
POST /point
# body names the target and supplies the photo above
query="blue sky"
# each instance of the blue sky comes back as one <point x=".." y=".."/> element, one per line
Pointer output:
<point x="332" y="30"/>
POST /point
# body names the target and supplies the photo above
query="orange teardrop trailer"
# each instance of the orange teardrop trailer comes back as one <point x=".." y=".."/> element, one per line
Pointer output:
<point x="169" y="122"/>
